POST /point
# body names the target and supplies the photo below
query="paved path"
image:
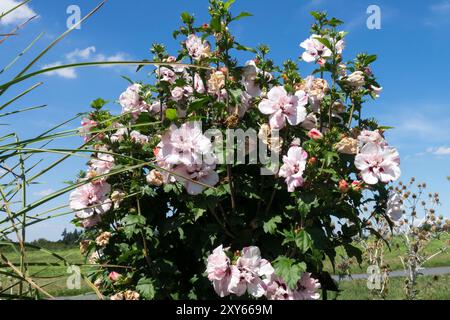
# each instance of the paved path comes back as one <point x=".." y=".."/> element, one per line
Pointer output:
<point x="401" y="273"/>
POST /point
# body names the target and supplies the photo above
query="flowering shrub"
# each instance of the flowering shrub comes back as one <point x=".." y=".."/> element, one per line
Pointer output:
<point x="172" y="202"/>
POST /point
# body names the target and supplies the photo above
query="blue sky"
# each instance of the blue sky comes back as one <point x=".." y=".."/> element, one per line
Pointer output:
<point x="413" y="46"/>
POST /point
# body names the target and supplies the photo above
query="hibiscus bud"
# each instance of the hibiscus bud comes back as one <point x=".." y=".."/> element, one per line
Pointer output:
<point x="131" y="295"/>
<point x="156" y="151"/>
<point x="343" y="186"/>
<point x="103" y="239"/>
<point x="347" y="146"/>
<point x="356" y="79"/>
<point x="84" y="246"/>
<point x="91" y="174"/>
<point x="205" y="26"/>
<point x="368" y="71"/>
<point x="224" y="70"/>
<point x="342" y="69"/>
<point x="312" y="161"/>
<point x="315" y="134"/>
<point x="114" y="276"/>
<point x="356" y="185"/>
<point x="338" y="106"/>
<point x="117" y="296"/>
<point x="321" y="62"/>
<point x="232" y="121"/>
<point x="98" y="283"/>
<point x="285" y="77"/>
<point x="310" y="122"/>
<point x="155" y="178"/>
<point x="170" y="59"/>
<point x="216" y="82"/>
<point x="117" y="198"/>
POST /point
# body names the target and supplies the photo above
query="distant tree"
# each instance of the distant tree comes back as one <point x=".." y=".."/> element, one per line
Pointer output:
<point x="70" y="237"/>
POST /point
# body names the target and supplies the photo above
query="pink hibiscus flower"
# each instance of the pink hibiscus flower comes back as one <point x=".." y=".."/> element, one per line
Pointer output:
<point x="185" y="145"/>
<point x="90" y="199"/>
<point x="277" y="289"/>
<point x="367" y="136"/>
<point x="283" y="107"/>
<point x="191" y="174"/>
<point x="197" y="48"/>
<point x="248" y="271"/>
<point x="315" y="134"/>
<point x="131" y="101"/>
<point x="219" y="271"/>
<point x="306" y="288"/>
<point x="378" y="163"/>
<point x="103" y="163"/>
<point x="294" y="165"/>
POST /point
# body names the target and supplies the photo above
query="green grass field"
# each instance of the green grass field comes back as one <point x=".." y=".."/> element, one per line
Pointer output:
<point x="430" y="288"/>
<point x="54" y="278"/>
<point x="398" y="249"/>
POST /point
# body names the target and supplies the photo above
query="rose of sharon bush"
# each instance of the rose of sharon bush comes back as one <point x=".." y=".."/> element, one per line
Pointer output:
<point x="170" y="211"/>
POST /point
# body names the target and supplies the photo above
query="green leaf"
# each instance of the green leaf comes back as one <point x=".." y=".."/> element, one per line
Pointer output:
<point x="198" y="213"/>
<point x="371" y="58"/>
<point x="99" y="103"/>
<point x="335" y="22"/>
<point x="186" y="18"/>
<point x="228" y="4"/>
<point x="171" y="114"/>
<point x="386" y="128"/>
<point x="325" y="42"/>
<point x="303" y="208"/>
<point x="303" y="241"/>
<point x="239" y="46"/>
<point x="329" y="157"/>
<point x="139" y="67"/>
<point x="242" y="15"/>
<point x="146" y="288"/>
<point x="271" y="225"/>
<point x="215" y="24"/>
<point x="128" y="79"/>
<point x="132" y="223"/>
<point x="353" y="251"/>
<point x="198" y="104"/>
<point x="317" y="15"/>
<point x="288" y="270"/>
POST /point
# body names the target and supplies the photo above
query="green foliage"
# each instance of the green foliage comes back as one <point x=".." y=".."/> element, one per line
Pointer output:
<point x="145" y="288"/>
<point x="289" y="270"/>
<point x="271" y="225"/>
<point x="98" y="104"/>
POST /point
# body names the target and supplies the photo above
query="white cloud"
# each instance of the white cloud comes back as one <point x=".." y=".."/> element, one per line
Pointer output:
<point x="427" y="127"/>
<point x="440" y="151"/>
<point x="439" y="14"/>
<point x="44" y="193"/>
<point x="116" y="57"/>
<point x="17" y="16"/>
<point x="63" y="73"/>
<point x="82" y="55"/>
<point x="441" y="8"/>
